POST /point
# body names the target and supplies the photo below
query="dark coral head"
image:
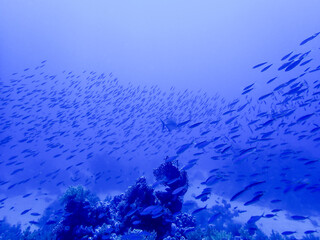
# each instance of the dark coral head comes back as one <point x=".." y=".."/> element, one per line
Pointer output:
<point x="168" y="173"/>
<point x="140" y="193"/>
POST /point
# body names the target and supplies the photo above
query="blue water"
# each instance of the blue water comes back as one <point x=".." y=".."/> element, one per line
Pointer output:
<point x="99" y="95"/>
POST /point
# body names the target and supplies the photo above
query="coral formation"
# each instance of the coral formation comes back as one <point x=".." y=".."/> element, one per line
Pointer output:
<point x="139" y="213"/>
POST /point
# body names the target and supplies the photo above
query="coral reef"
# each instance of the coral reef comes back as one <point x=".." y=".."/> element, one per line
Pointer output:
<point x="139" y="213"/>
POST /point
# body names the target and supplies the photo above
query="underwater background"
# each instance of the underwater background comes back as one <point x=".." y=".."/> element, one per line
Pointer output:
<point x="159" y="119"/>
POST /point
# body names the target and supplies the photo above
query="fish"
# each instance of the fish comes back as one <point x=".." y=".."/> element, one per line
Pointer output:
<point x="16" y="171"/>
<point x="276" y="210"/>
<point x="254" y="219"/>
<point x="195" y="125"/>
<point x="25" y="211"/>
<point x="214" y="217"/>
<point x="234" y="197"/>
<point x="183" y="148"/>
<point x="183" y="123"/>
<point x="305" y="62"/>
<point x="309" y="38"/>
<point x="254" y="199"/>
<point x="203" y="197"/>
<point x="310" y="232"/>
<point x="298" y="218"/>
<point x="169" y="124"/>
<point x="131" y="212"/>
<point x="242" y="107"/>
<point x="228" y="112"/>
<point x="148" y="210"/>
<point x="266" y="68"/>
<point x="103" y="116"/>
<point x="304" y="118"/>
<point x="271" y="80"/>
<point x="247" y="91"/>
<point x="231" y="119"/>
<point x="293" y="65"/>
<point x="265" y="96"/>
<point x="188" y="166"/>
<point x="26" y="195"/>
<point x="211" y="180"/>
<point x="294" y="56"/>
<point x="259" y="65"/>
<point x="157" y="215"/>
<point x="286" y="56"/>
<point x="248" y="150"/>
<point x="249" y="86"/>
<point x="287" y="233"/>
<point x="285" y="65"/>
<point x="179" y="190"/>
<point x="225" y="149"/>
<point x="174" y="180"/>
<point x="199" y="210"/>
<point x="34" y="222"/>
<point x="35" y="214"/>
<point x="202" y="144"/>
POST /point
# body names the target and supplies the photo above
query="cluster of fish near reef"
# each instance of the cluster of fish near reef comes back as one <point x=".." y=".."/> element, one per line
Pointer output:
<point x="140" y="213"/>
<point x="264" y="148"/>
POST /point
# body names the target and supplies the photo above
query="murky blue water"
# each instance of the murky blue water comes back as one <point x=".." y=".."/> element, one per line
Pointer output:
<point x="248" y="144"/>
